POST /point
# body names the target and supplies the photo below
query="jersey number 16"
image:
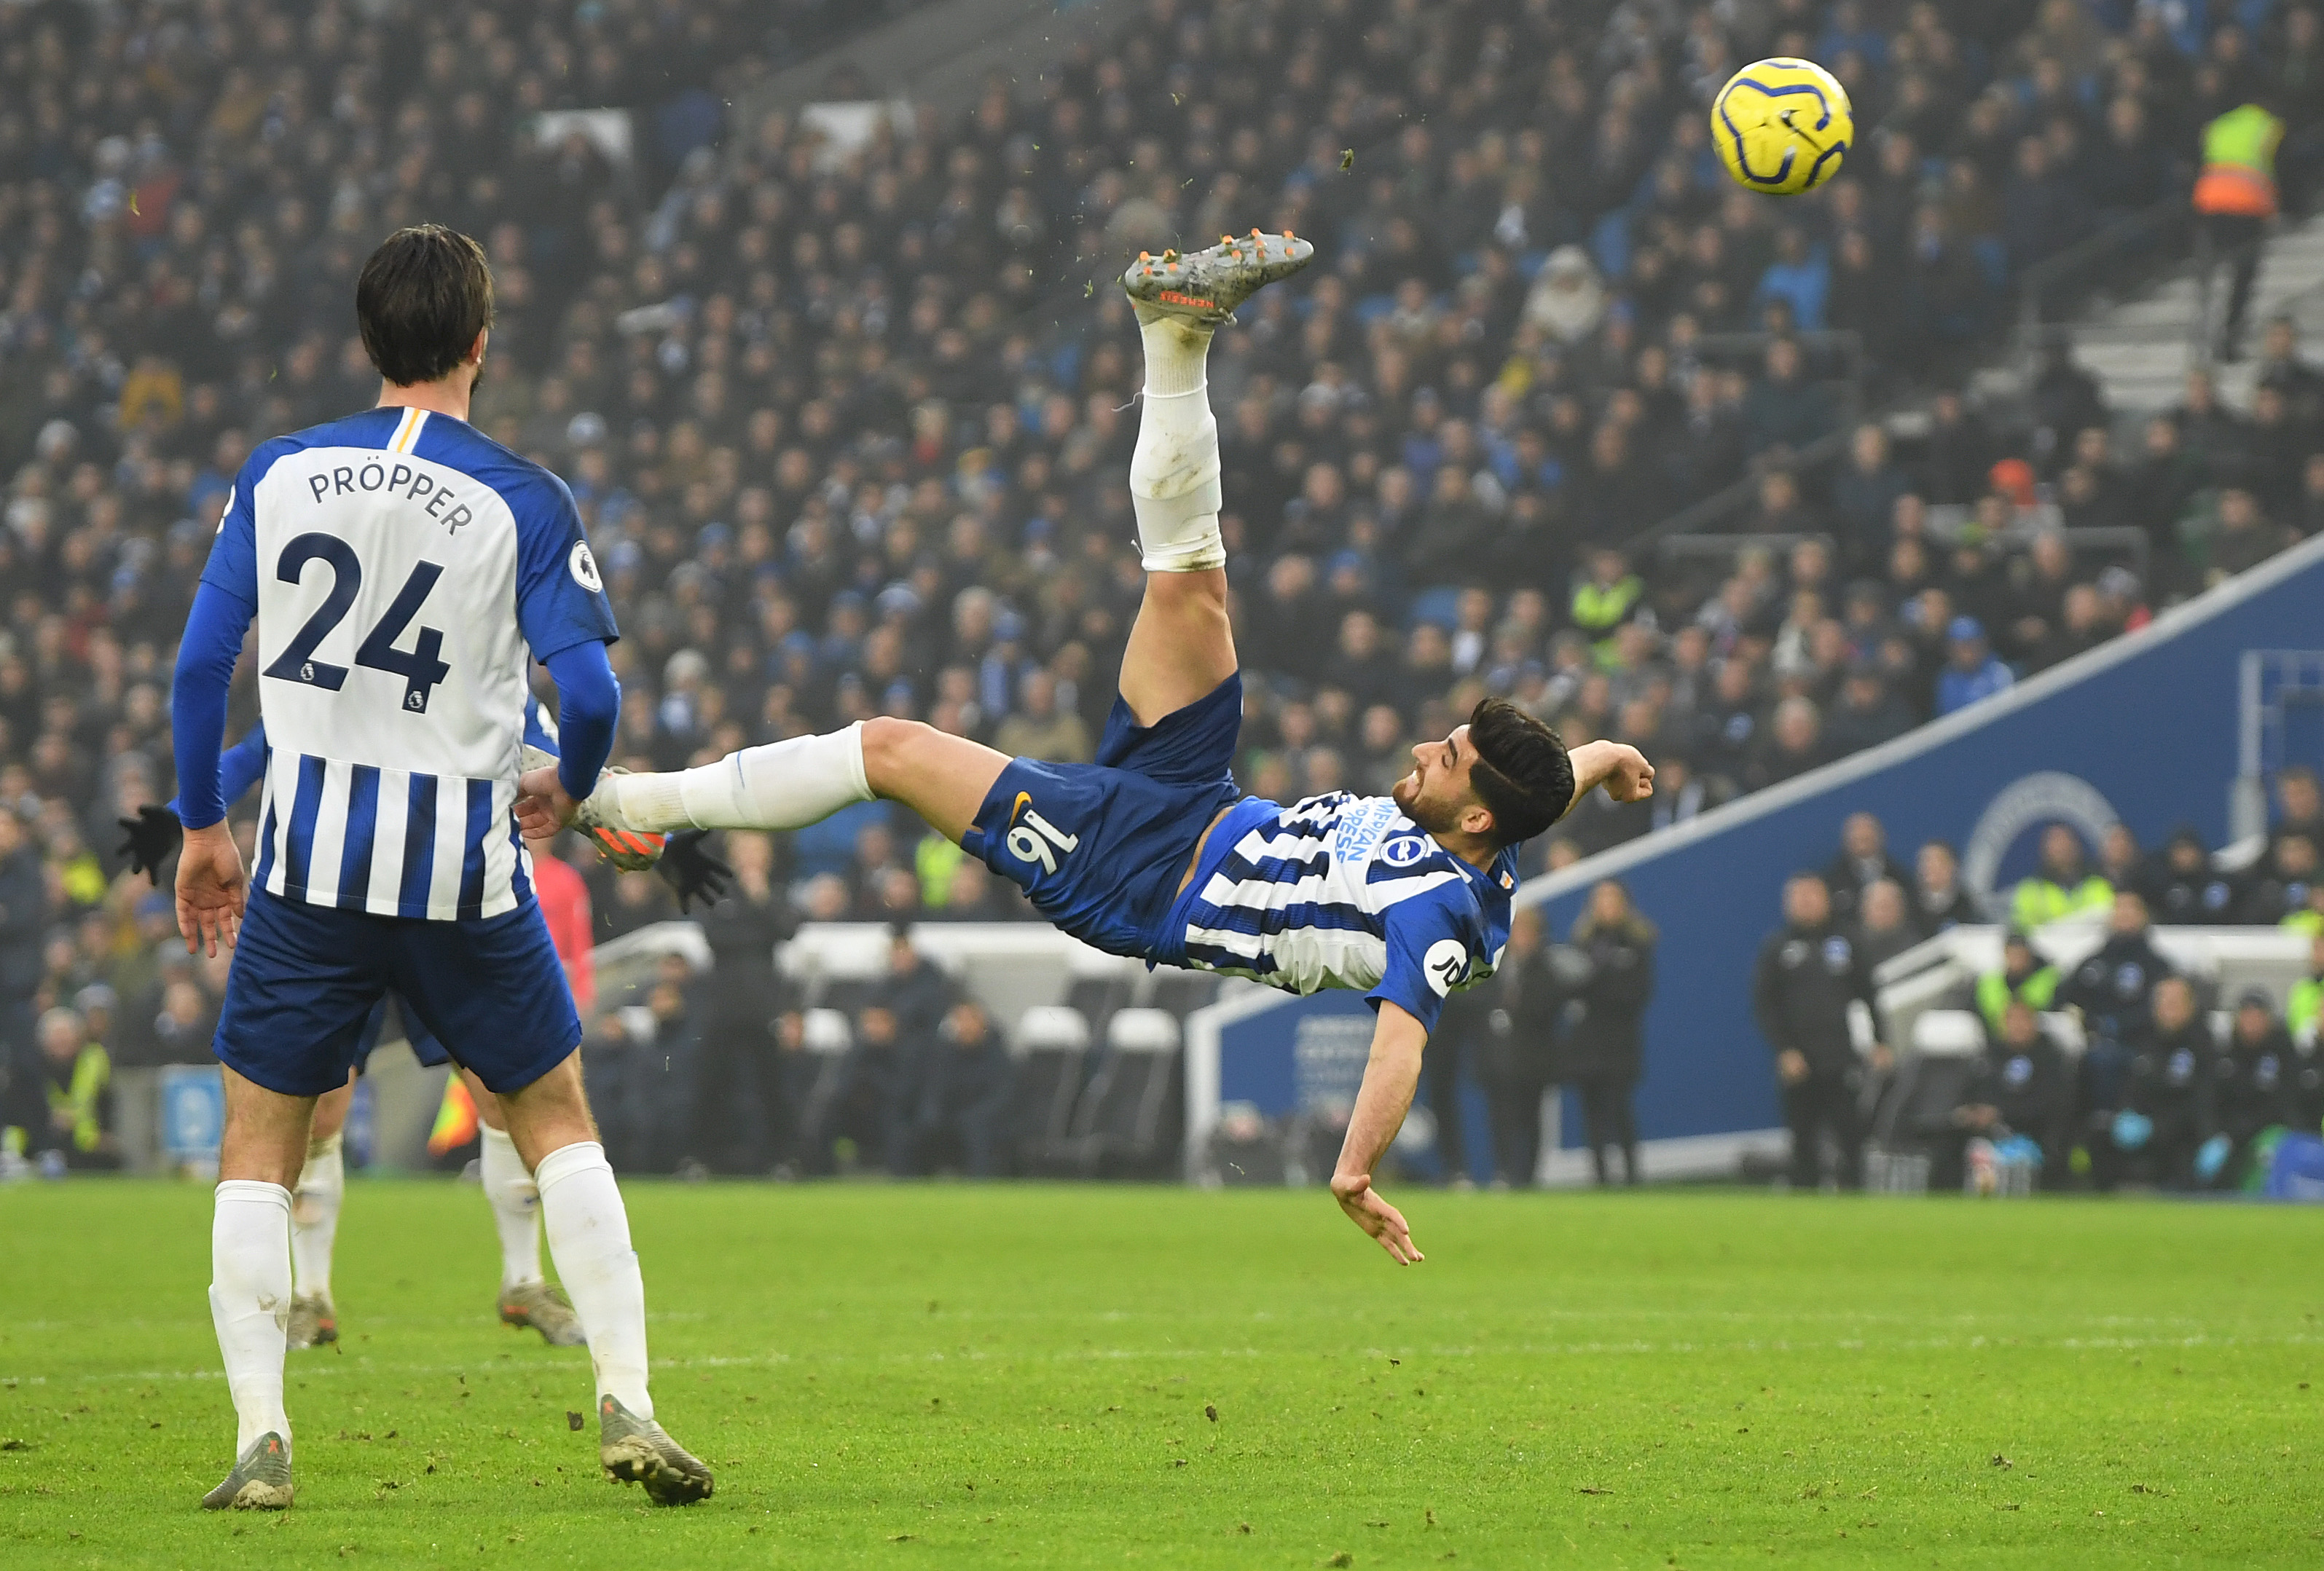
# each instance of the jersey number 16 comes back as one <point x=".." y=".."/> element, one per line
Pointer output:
<point x="420" y="669"/>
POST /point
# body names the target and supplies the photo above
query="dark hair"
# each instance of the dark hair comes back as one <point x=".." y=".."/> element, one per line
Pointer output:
<point x="1522" y="773"/>
<point x="423" y="296"/>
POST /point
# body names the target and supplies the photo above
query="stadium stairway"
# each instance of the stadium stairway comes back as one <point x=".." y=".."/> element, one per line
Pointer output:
<point x="2140" y="349"/>
<point x="937" y="55"/>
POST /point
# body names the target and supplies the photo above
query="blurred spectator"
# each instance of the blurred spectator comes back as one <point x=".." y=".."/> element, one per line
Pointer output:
<point x="2240" y="537"/>
<point x="1807" y="976"/>
<point x="1603" y="1050"/>
<point x="1939" y="900"/>
<point x="2235" y="197"/>
<point x="2025" y="977"/>
<point x="1517" y="1060"/>
<point x="1862" y="862"/>
<point x="962" y="1112"/>
<point x="2112" y="987"/>
<point x="2166" y="1110"/>
<point x="2299" y="803"/>
<point x="1036" y="729"/>
<point x="1792" y="747"/>
<point x="2284" y="370"/>
<point x="1972" y="671"/>
<point x="2022" y="1086"/>
<point x="77" y="1130"/>
<point x="24" y="903"/>
<point x="2180" y="886"/>
<point x="2278" y="888"/>
<point x="2062" y="886"/>
<point x="740" y="1117"/>
<point x="2258" y="1085"/>
<point x="1568" y="299"/>
<point x="1866" y="713"/>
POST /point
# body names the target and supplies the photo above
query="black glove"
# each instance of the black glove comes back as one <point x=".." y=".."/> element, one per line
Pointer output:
<point x="692" y="873"/>
<point x="150" y="839"/>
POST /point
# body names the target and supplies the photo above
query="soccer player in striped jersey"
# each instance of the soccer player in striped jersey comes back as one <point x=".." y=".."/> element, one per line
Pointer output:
<point x="1152" y="850"/>
<point x="404" y="571"/>
<point x="525" y="1297"/>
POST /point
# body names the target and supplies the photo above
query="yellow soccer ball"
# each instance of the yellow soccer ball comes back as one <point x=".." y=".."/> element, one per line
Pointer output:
<point x="1782" y="126"/>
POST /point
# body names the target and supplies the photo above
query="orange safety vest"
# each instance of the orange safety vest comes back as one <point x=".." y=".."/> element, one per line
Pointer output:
<point x="2238" y="176"/>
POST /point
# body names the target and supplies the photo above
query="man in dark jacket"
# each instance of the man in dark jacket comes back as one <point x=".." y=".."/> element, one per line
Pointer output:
<point x="2023" y="1085"/>
<point x="2113" y="987"/>
<point x="2180" y="887"/>
<point x="2257" y="1084"/>
<point x="740" y="1111"/>
<point x="1605" y="1042"/>
<point x="1808" y="974"/>
<point x="2167" y="1101"/>
<point x="1515" y="1055"/>
<point x="964" y="1103"/>
<point x="24" y="909"/>
<point x="1862" y="862"/>
<point x="2279" y="885"/>
<point x="1940" y="900"/>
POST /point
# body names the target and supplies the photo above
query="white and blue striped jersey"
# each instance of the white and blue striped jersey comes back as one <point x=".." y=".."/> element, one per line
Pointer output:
<point x="1345" y="891"/>
<point x="401" y="564"/>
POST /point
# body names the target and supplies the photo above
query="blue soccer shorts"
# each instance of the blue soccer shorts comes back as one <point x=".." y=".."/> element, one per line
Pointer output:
<point x="1098" y="847"/>
<point x="424" y="1045"/>
<point x="307" y="977"/>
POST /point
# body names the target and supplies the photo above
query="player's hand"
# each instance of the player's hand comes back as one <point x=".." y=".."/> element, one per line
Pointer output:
<point x="692" y="873"/>
<point x="1376" y="1216"/>
<point x="149" y="840"/>
<point x="1632" y="778"/>
<point x="211" y="889"/>
<point x="542" y="807"/>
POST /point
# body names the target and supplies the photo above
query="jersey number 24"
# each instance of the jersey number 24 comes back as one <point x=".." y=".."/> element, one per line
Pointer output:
<point x="420" y="669"/>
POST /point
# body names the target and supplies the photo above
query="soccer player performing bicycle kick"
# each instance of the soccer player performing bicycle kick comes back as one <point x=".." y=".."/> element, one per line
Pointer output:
<point x="1152" y="850"/>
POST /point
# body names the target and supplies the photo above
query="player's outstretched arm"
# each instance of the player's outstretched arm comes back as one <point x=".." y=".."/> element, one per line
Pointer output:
<point x="1618" y="766"/>
<point x="1390" y="1077"/>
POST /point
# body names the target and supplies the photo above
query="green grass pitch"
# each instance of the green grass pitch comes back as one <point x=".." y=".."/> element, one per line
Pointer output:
<point x="950" y="1377"/>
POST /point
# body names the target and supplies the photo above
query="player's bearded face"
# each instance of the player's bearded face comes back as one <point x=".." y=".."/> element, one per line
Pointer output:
<point x="1430" y="798"/>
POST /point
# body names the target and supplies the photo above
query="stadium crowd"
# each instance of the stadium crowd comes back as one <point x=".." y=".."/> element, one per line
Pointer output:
<point x="2159" y="1080"/>
<point x="847" y="420"/>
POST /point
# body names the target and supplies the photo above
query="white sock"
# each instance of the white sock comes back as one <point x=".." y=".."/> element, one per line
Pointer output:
<point x="516" y="1209"/>
<point x="589" y="1238"/>
<point x="250" y="1301"/>
<point x="786" y="785"/>
<point x="1174" y="471"/>
<point x="315" y="1216"/>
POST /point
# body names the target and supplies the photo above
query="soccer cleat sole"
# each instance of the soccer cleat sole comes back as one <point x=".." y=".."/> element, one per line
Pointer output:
<point x="260" y="1479"/>
<point x="1206" y="286"/>
<point x="634" y="1450"/>
<point x="633" y="851"/>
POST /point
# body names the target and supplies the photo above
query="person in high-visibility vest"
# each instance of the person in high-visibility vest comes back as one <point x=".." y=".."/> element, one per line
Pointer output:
<point x="2304" y="1006"/>
<point x="2062" y="886"/>
<point x="2235" y="197"/>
